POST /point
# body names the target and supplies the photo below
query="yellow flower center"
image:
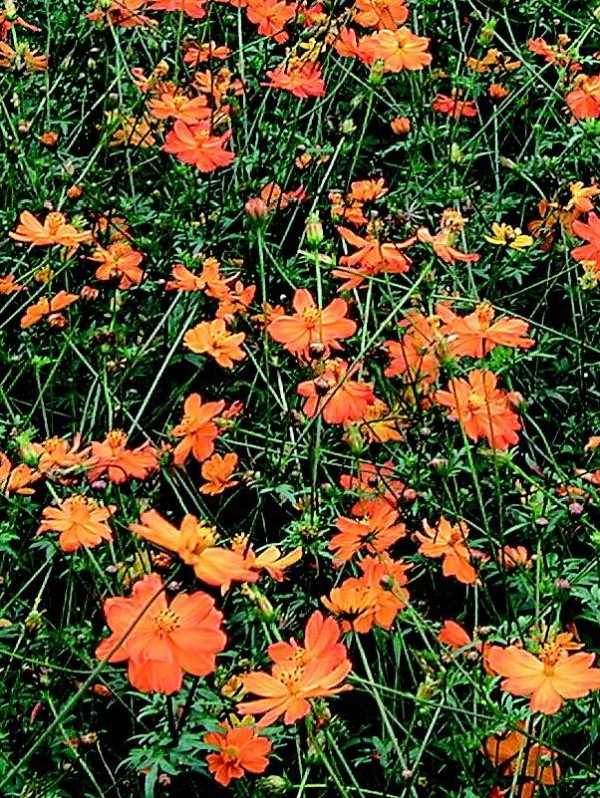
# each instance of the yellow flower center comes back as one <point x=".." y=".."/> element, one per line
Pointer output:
<point x="485" y="314"/>
<point x="232" y="752"/>
<point x="195" y="542"/>
<point x="240" y="543"/>
<point x="52" y="444"/>
<point x="83" y="501"/>
<point x="116" y="439"/>
<point x="200" y="136"/>
<point x="290" y="679"/>
<point x="476" y="402"/>
<point x="219" y="339"/>
<point x="312" y="316"/>
<point x="53" y="222"/>
<point x="166" y="621"/>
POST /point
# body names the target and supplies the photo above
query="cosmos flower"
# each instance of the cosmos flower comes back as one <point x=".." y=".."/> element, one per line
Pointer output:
<point x="311" y="325"/>
<point x="161" y="641"/>
<point x="482" y="409"/>
<point x="213" y="338"/>
<point x="550" y="678"/>
<point x="238" y="749"/>
<point x="81" y="522"/>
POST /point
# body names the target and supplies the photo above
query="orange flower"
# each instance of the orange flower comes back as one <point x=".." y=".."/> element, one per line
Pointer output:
<point x="401" y="125"/>
<point x="57" y="455"/>
<point x="270" y="559"/>
<point x="217" y="472"/>
<point x="498" y="92"/>
<point x="114" y="460"/>
<point x="162" y="642"/>
<point x="416" y="355"/>
<point x="397" y="50"/>
<point x="197" y="428"/>
<point x="123" y="13"/>
<point x="443" y="248"/>
<point x="301" y="78"/>
<point x="273" y="198"/>
<point x="23" y="56"/>
<point x="493" y="61"/>
<point x="217" y="84"/>
<point x="383" y="16"/>
<point x="581" y="197"/>
<point x="349" y="45"/>
<point x="550" y="677"/>
<point x="80" y="521"/>
<point x="49" y="138"/>
<point x="510" y="557"/>
<point x="482" y="409"/>
<point x="195" y="543"/>
<point x="194" y="144"/>
<point x="184" y="279"/>
<point x="373" y="599"/>
<point x="287" y="689"/>
<point x="477" y="334"/>
<point x="8" y="21"/>
<point x="239" y="749"/>
<point x="453" y="106"/>
<point x="534" y="763"/>
<point x="131" y="130"/>
<point x="55" y="230"/>
<point x="454" y="635"/>
<point x="199" y="53"/>
<point x="119" y="260"/>
<point x="271" y="17"/>
<point x="209" y="280"/>
<point x="17" y="479"/>
<point x="48" y="309"/>
<point x="584" y="100"/>
<point x="373" y="478"/>
<point x="375" y="532"/>
<point x="379" y="424"/>
<point x="443" y="242"/>
<point x="216" y="285"/>
<point x="371" y="258"/>
<point x="590" y="232"/>
<point x="348" y="209"/>
<point x="178" y="106"/>
<point x="214" y="339"/>
<point x="449" y="542"/>
<point x="367" y="190"/>
<point x="334" y="395"/>
<point x="110" y="228"/>
<point x="9" y="285"/>
<point x="268" y="313"/>
<point x="311" y="325"/>
<point x="592" y="444"/>
<point x="237" y="300"/>
<point x="321" y="641"/>
<point x="191" y="8"/>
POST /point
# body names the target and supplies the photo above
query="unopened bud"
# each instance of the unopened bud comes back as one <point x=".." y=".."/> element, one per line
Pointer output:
<point x="400" y="126"/>
<point x="314" y="231"/>
<point x="256" y="208"/>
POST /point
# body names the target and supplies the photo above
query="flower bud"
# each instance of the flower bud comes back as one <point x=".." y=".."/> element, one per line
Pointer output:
<point x="273" y="785"/>
<point x="314" y="231"/>
<point x="256" y="209"/>
<point x="400" y="126"/>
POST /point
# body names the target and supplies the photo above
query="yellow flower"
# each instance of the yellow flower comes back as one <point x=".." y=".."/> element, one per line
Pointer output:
<point x="506" y="236"/>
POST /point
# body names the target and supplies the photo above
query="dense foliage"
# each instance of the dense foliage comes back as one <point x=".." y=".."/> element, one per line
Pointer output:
<point x="298" y="398"/>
